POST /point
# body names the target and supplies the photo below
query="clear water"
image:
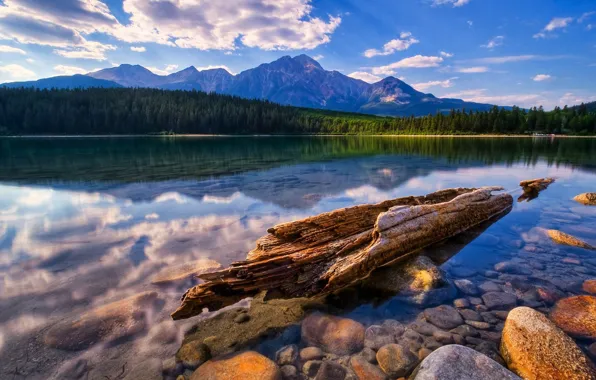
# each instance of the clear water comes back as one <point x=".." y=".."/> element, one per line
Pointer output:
<point x="86" y="221"/>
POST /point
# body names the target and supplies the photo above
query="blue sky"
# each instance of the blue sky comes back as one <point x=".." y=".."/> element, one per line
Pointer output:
<point x="524" y="52"/>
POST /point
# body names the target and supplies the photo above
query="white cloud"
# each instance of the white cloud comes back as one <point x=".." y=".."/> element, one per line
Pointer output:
<point x="14" y="71"/>
<point x="585" y="16"/>
<point x="138" y="49"/>
<point x="571" y="99"/>
<point x="418" y="61"/>
<point x="10" y="49"/>
<point x="470" y="23"/>
<point x="367" y="77"/>
<point x="554" y="24"/>
<point x="168" y="69"/>
<point x="69" y="70"/>
<point x="541" y="77"/>
<point x="454" y="3"/>
<point x="89" y="50"/>
<point x="30" y="60"/>
<point x="493" y="43"/>
<point x="473" y="70"/>
<point x="404" y="41"/>
<point x="516" y="58"/>
<point x="481" y="96"/>
<point x="318" y="57"/>
<point x="446" y="55"/>
<point x="438" y="83"/>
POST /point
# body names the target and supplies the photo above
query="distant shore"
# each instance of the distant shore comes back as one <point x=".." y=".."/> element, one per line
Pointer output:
<point x="299" y="135"/>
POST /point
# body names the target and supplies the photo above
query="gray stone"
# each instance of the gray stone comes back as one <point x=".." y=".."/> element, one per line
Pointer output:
<point x="475" y="300"/>
<point x="423" y="328"/>
<point x="478" y="325"/>
<point x="172" y="367"/>
<point x="511" y="267"/>
<point x="444" y="317"/>
<point x="443" y="337"/>
<point x="471" y="365"/>
<point x="465" y="331"/>
<point x="499" y="300"/>
<point x="470" y="315"/>
<point x="396" y="327"/>
<point x="369" y="355"/>
<point x="431" y="344"/>
<point x="287" y="355"/>
<point x="489" y="317"/>
<point x="289" y="372"/>
<point x="466" y="287"/>
<point x="489" y="286"/>
<point x="461" y="303"/>
<point x="395" y="360"/>
<point x="377" y="336"/>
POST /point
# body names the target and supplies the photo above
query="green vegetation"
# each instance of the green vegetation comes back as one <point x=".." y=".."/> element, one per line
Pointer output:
<point x="149" y="111"/>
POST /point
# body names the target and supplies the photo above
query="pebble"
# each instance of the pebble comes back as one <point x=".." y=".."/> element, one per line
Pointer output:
<point x="365" y="370"/>
<point x="465" y="331"/>
<point x="489" y="286"/>
<point x="499" y="300"/>
<point x="287" y="355"/>
<point x="331" y="371"/>
<point x="478" y="325"/>
<point x="470" y="315"/>
<point x="461" y="303"/>
<point x="193" y="354"/>
<point x="377" y="336"/>
<point x="341" y="336"/>
<point x="311" y="353"/>
<point x="311" y="367"/>
<point x="289" y="372"/>
<point x="369" y="355"/>
<point x="395" y="360"/>
<point x="512" y="268"/>
<point x="466" y="287"/>
<point x="443" y="337"/>
<point x="444" y="317"/>
<point x="589" y="286"/>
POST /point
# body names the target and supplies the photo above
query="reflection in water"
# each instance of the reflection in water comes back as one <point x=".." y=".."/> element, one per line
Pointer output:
<point x="86" y="222"/>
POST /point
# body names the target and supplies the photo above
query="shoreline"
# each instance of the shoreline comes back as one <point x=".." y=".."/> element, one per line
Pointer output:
<point x="301" y="135"/>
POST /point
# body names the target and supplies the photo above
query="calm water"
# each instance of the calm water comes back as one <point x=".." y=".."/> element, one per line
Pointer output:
<point x="87" y="221"/>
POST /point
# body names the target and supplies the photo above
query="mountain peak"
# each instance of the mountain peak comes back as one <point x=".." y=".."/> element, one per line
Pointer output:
<point x="306" y="61"/>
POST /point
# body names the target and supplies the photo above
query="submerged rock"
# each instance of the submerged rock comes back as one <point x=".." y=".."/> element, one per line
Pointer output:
<point x="456" y="362"/>
<point x="340" y="336"/>
<point x="365" y="370"/>
<point x="444" y="316"/>
<point x="566" y="239"/>
<point x="109" y="322"/>
<point x="589" y="286"/>
<point x="534" y="348"/>
<point x="395" y="360"/>
<point x="576" y="316"/>
<point x="377" y="336"/>
<point x="499" y="300"/>
<point x="588" y="199"/>
<point x="247" y="365"/>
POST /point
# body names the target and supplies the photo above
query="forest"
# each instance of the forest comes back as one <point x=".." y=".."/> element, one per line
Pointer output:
<point x="103" y="111"/>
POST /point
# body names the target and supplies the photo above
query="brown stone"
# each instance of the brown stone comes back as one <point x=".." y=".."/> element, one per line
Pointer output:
<point x="365" y="370"/>
<point x="588" y="199"/>
<point x="247" y="365"/>
<point x="566" y="239"/>
<point x="535" y="349"/>
<point x="340" y="336"/>
<point x="576" y="316"/>
<point x="589" y="286"/>
<point x="193" y="354"/>
<point x="395" y="360"/>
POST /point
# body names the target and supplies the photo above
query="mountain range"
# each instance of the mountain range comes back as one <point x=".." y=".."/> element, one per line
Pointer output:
<point x="298" y="81"/>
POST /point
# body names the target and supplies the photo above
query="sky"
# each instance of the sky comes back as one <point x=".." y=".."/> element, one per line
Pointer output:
<point x="507" y="52"/>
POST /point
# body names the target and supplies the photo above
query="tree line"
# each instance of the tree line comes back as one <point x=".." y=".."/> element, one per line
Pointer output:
<point x="98" y="111"/>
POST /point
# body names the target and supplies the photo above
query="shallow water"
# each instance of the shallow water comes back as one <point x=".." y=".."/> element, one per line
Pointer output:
<point x="87" y="221"/>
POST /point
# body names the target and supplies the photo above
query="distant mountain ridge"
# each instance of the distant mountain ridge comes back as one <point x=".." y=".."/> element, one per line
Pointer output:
<point x="298" y="81"/>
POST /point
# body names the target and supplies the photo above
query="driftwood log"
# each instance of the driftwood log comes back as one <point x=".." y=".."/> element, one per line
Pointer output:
<point x="324" y="253"/>
<point x="533" y="187"/>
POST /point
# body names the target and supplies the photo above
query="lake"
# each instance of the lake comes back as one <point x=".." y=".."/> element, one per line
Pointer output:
<point x="88" y="221"/>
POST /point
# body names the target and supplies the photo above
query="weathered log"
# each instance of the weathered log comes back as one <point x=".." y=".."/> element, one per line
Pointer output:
<point x="327" y="252"/>
<point x="533" y="187"/>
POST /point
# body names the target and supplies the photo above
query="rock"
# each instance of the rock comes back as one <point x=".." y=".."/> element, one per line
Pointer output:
<point x="471" y="365"/>
<point x="311" y="353"/>
<point x="489" y="286"/>
<point x="311" y="367"/>
<point x="365" y="370"/>
<point x="588" y="199"/>
<point x="419" y="274"/>
<point x="589" y="286"/>
<point x="431" y="344"/>
<point x="489" y="317"/>
<point x="474" y="341"/>
<point x="491" y="336"/>
<point x="331" y="371"/>
<point x="369" y="355"/>
<point x="341" y="336"/>
<point x="566" y="239"/>
<point x="499" y="300"/>
<point x="458" y="339"/>
<point x="423" y="327"/>
<point x="287" y="355"/>
<point x="576" y="316"/>
<point x="395" y="360"/>
<point x="248" y="365"/>
<point x="465" y="331"/>
<point x="466" y="287"/>
<point x="396" y="327"/>
<point x="478" y="325"/>
<point x="462" y="272"/>
<point x="443" y="337"/>
<point x="184" y="271"/>
<point x="109" y="322"/>
<point x="171" y="367"/>
<point x="241" y="318"/>
<point x="492" y="273"/>
<point x="571" y="260"/>
<point x="491" y="350"/>
<point x="377" y="336"/>
<point x="549" y="295"/>
<point x="444" y="317"/>
<point x="512" y="268"/>
<point x="470" y="315"/>
<point x="423" y="353"/>
<point x="411" y="339"/>
<point x="193" y="354"/>
<point x="289" y="372"/>
<point x="475" y="300"/>
<point x="461" y="303"/>
<point x="592" y="350"/>
<point x="534" y="348"/>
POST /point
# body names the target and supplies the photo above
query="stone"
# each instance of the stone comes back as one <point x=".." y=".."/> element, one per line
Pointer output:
<point x="465" y="331"/>
<point x="589" y="286"/>
<point x="455" y="362"/>
<point x="470" y="315"/>
<point x="377" y="336"/>
<point x="105" y="323"/>
<point x="331" y="371"/>
<point x="311" y="367"/>
<point x="365" y="370"/>
<point x="192" y="354"/>
<point x="461" y="303"/>
<point x="289" y="372"/>
<point x="535" y="348"/>
<point x="340" y="336"/>
<point x="462" y="272"/>
<point x="549" y="295"/>
<point x="444" y="317"/>
<point x="171" y="367"/>
<point x="592" y="350"/>
<point x="489" y="317"/>
<point x="182" y="272"/>
<point x="478" y="325"/>
<point x="489" y="286"/>
<point x="369" y="355"/>
<point x="242" y="318"/>
<point x="466" y="287"/>
<point x="576" y="316"/>
<point x="566" y="239"/>
<point x="287" y="355"/>
<point x="311" y="353"/>
<point x="491" y="274"/>
<point x="491" y="350"/>
<point x="395" y="360"/>
<point x="491" y="336"/>
<point x="571" y="260"/>
<point x="588" y="199"/>
<point x="443" y="337"/>
<point x="396" y="327"/>
<point x="458" y="339"/>
<point x="499" y="300"/>
<point x="423" y="327"/>
<point x="248" y="365"/>
<point x="512" y="268"/>
<point x="475" y="300"/>
<point x="431" y="344"/>
<point x="473" y="341"/>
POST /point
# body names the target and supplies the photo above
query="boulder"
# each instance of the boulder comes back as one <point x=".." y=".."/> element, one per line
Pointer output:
<point x="589" y="286"/>
<point x="566" y="239"/>
<point x="395" y="360"/>
<point x="248" y="365"/>
<point x="365" y="370"/>
<point x="588" y="199"/>
<point x="499" y="300"/>
<point x="456" y="362"/>
<point x="576" y="316"/>
<point x="444" y="317"/>
<point x="340" y="336"/>
<point x="534" y="348"/>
